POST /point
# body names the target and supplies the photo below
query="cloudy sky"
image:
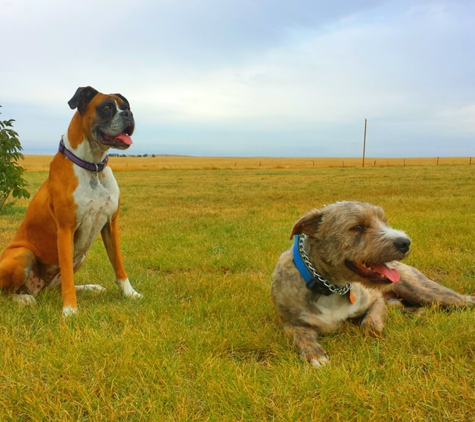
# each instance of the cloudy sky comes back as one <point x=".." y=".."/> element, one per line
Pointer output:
<point x="249" y="77"/>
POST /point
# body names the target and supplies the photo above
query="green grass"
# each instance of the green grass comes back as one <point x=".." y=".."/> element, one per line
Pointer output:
<point x="205" y="343"/>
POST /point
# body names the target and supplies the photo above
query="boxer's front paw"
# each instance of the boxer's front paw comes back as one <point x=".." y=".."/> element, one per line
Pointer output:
<point x="134" y="295"/>
<point x="127" y="289"/>
<point x="69" y="311"/>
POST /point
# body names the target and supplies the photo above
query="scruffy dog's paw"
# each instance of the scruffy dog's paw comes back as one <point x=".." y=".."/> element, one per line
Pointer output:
<point x="306" y="341"/>
<point x="315" y="355"/>
<point x="372" y="326"/>
<point x="394" y="303"/>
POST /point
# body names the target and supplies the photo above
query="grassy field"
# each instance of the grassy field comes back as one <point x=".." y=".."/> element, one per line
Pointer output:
<point x="200" y="242"/>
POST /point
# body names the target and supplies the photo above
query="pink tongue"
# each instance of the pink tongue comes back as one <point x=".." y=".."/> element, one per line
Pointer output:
<point x="124" y="138"/>
<point x="391" y="273"/>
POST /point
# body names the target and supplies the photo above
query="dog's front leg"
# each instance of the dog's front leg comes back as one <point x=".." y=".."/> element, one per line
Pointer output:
<point x="65" y="255"/>
<point x="110" y="237"/>
<point x="306" y="340"/>
<point x="375" y="317"/>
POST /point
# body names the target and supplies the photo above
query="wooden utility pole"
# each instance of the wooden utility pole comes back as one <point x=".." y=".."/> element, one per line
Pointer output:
<point x="364" y="140"/>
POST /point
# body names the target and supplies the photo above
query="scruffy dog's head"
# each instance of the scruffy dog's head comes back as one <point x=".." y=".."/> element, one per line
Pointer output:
<point x="352" y="241"/>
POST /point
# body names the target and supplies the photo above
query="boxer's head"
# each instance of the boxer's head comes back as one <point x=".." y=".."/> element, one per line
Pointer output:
<point x="106" y="119"/>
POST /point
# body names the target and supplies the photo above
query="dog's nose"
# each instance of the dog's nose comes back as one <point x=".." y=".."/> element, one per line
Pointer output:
<point x="402" y="244"/>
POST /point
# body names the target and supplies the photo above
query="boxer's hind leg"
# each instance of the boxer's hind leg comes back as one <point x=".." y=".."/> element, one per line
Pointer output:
<point x="416" y="289"/>
<point x="55" y="280"/>
<point x="19" y="275"/>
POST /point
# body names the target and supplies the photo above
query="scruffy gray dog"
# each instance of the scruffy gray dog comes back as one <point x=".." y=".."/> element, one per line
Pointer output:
<point x="343" y="265"/>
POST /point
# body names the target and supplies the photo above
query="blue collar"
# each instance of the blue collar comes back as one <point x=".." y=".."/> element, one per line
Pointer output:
<point x="314" y="281"/>
<point x="298" y="261"/>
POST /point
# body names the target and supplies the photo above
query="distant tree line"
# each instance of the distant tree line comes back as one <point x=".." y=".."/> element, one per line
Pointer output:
<point x="131" y="155"/>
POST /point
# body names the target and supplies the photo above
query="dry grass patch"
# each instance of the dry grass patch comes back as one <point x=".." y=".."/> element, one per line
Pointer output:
<point x="130" y="162"/>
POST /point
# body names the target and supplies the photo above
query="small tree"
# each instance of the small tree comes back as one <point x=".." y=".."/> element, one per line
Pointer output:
<point x="11" y="180"/>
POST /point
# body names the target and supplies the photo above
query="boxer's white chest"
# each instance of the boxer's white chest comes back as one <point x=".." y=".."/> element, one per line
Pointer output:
<point x="97" y="199"/>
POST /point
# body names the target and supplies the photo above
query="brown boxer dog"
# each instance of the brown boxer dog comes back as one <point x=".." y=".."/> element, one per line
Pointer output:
<point x="79" y="200"/>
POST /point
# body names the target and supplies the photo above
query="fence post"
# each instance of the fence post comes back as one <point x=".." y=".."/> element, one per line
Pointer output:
<point x="364" y="140"/>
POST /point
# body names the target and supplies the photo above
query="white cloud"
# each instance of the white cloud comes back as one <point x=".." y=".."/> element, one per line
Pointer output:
<point x="267" y="73"/>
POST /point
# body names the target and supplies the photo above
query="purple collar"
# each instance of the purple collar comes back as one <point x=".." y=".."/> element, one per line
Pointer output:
<point x="96" y="168"/>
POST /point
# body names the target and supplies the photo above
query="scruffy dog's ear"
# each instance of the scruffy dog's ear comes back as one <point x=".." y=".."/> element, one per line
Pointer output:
<point x="308" y="223"/>
<point x="82" y="98"/>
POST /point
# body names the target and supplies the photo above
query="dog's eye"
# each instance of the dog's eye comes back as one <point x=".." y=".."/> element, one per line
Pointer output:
<point x="106" y="108"/>
<point x="359" y="228"/>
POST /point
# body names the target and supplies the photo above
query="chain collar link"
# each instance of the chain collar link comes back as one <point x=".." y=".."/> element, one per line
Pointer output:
<point x="339" y="290"/>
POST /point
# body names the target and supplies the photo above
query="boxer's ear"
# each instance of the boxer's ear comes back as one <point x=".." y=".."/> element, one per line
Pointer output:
<point x="123" y="99"/>
<point x="82" y="98"/>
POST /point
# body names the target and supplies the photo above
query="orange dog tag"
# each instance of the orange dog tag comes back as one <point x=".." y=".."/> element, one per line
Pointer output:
<point x="351" y="297"/>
